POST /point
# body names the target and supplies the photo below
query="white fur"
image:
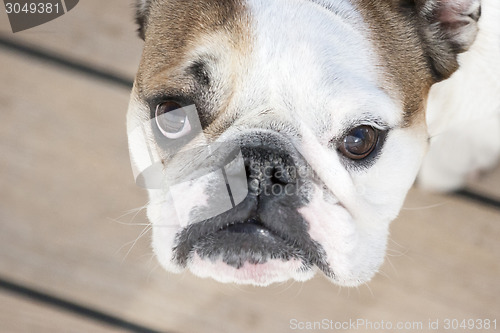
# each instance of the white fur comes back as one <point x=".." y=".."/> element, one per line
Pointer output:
<point x="463" y="112"/>
<point x="260" y="275"/>
<point x="297" y="75"/>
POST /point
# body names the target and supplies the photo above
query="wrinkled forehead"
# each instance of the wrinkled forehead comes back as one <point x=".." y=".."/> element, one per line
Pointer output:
<point x="176" y="27"/>
<point x="280" y="41"/>
<point x="249" y="35"/>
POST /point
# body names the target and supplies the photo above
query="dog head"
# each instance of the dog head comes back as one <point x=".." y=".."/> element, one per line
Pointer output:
<point x="281" y="137"/>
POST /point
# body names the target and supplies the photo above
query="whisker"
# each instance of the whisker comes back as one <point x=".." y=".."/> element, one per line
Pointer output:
<point x="396" y="253"/>
<point x="426" y="207"/>
<point x="300" y="290"/>
<point x="387" y="276"/>
<point x="133" y="210"/>
<point x="286" y="286"/>
<point x="143" y="232"/>
<point x="152" y="270"/>
<point x="127" y="223"/>
<point x="367" y="285"/>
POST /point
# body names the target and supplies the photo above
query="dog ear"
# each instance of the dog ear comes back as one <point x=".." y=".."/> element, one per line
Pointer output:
<point x="448" y="27"/>
<point x="141" y="15"/>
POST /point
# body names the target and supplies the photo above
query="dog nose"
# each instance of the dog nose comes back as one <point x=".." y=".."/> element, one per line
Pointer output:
<point x="266" y="224"/>
<point x="270" y="172"/>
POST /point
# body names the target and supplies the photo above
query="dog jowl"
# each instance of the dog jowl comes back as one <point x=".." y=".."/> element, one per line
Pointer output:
<point x="279" y="138"/>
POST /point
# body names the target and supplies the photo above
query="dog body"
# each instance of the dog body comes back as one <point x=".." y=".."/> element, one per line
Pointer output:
<point x="286" y="133"/>
<point x="463" y="112"/>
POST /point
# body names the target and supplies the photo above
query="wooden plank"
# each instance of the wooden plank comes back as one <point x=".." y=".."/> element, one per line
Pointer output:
<point x="65" y="179"/>
<point x="102" y="33"/>
<point x="65" y="176"/>
<point x="20" y="315"/>
<point x="443" y="263"/>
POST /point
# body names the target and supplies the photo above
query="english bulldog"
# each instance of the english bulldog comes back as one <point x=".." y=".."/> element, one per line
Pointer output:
<point x="279" y="138"/>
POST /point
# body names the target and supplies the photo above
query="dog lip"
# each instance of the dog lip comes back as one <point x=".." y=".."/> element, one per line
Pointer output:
<point x="250" y="226"/>
<point x="240" y="241"/>
<point x="249" y="241"/>
<point x="249" y="233"/>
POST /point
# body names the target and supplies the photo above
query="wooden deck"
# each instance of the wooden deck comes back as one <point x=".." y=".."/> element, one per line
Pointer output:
<point x="74" y="242"/>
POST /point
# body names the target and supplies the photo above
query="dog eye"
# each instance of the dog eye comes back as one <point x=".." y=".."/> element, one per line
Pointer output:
<point x="172" y="120"/>
<point x="360" y="142"/>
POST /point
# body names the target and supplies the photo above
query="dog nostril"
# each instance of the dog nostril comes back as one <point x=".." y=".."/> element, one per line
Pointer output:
<point x="277" y="181"/>
<point x="267" y="169"/>
<point x="248" y="171"/>
<point x="279" y="177"/>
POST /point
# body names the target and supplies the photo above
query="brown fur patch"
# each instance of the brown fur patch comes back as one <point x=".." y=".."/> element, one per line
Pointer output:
<point x="173" y="28"/>
<point x="406" y="71"/>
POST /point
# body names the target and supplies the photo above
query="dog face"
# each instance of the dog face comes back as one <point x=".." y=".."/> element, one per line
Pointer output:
<point x="281" y="137"/>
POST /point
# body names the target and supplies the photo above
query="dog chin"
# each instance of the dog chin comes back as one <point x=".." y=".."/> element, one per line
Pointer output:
<point x="347" y="266"/>
<point x="263" y="274"/>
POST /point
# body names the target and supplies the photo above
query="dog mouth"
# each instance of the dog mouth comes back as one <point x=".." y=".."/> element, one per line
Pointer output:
<point x="262" y="235"/>
<point x="253" y="226"/>
<point x="248" y="241"/>
<point x="248" y="235"/>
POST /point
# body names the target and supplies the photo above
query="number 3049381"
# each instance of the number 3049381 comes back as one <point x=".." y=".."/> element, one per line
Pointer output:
<point x="31" y="8"/>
